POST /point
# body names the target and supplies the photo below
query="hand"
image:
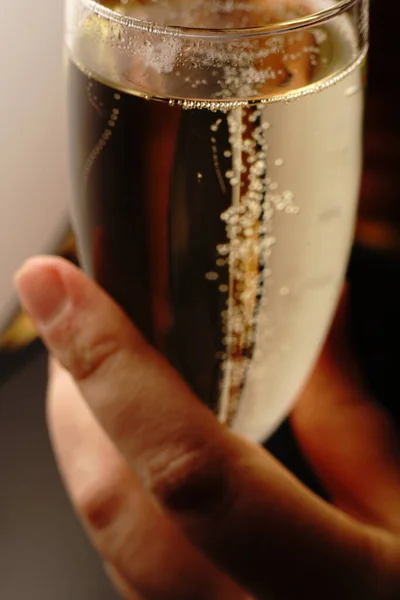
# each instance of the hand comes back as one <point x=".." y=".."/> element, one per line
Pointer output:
<point x="180" y="508"/>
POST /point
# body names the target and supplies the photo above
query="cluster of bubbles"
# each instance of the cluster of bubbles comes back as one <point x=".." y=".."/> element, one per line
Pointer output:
<point x="249" y="240"/>
<point x="106" y="134"/>
<point x="246" y="72"/>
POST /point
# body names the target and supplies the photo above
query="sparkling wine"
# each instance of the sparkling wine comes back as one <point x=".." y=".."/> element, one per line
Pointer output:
<point x="216" y="203"/>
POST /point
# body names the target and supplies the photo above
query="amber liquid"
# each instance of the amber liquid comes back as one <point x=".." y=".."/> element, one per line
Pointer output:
<point x="221" y="228"/>
<point x="149" y="188"/>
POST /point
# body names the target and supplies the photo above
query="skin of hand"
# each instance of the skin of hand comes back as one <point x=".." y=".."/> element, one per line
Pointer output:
<point x="179" y="507"/>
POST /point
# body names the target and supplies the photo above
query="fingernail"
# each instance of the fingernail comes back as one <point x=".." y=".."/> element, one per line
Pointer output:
<point x="41" y="290"/>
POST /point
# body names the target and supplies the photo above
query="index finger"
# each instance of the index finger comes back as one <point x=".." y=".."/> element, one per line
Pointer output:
<point x="234" y="501"/>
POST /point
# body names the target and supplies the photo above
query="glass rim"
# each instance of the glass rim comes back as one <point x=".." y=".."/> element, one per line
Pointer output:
<point x="316" y="18"/>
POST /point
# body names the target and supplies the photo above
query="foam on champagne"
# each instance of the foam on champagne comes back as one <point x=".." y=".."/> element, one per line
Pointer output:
<point x="212" y="74"/>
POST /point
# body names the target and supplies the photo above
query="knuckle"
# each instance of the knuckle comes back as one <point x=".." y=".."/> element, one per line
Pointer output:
<point x="193" y="481"/>
<point x="84" y="359"/>
<point x="101" y="506"/>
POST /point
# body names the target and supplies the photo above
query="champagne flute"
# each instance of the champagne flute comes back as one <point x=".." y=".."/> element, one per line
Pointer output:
<point x="215" y="150"/>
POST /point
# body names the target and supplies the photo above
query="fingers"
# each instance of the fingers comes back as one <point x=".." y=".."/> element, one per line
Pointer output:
<point x="146" y="556"/>
<point x="350" y="442"/>
<point x="249" y="515"/>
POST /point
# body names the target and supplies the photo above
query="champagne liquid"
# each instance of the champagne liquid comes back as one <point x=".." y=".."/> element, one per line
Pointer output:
<point x="223" y="229"/>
